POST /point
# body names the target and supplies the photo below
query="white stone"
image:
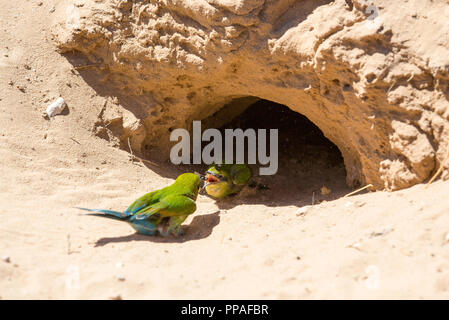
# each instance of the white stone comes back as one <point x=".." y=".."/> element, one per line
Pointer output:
<point x="56" y="107"/>
<point x="303" y="210"/>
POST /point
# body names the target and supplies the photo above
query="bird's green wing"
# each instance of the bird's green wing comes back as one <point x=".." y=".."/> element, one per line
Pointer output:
<point x="240" y="174"/>
<point x="168" y="206"/>
<point x="143" y="202"/>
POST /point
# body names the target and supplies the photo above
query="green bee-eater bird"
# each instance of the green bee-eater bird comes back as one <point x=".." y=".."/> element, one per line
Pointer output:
<point x="222" y="180"/>
<point x="169" y="205"/>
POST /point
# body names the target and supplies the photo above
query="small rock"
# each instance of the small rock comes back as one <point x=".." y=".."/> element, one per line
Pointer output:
<point x="52" y="9"/>
<point x="359" y="204"/>
<point x="121" y="277"/>
<point x="355" y="246"/>
<point x="382" y="233"/>
<point x="446" y="237"/>
<point x="117" y="297"/>
<point x="6" y="259"/>
<point x="302" y="211"/>
<point x="56" y="107"/>
<point x="349" y="204"/>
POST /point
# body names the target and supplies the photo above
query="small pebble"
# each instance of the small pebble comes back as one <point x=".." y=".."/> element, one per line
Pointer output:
<point x="302" y="211"/>
<point x="381" y="233"/>
<point x="359" y="204"/>
<point x="56" y="107"/>
<point x="355" y="245"/>
<point x="6" y="259"/>
<point x="446" y="237"/>
<point x="121" y="277"/>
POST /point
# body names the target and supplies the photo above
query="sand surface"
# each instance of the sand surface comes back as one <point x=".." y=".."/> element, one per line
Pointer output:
<point x="373" y="245"/>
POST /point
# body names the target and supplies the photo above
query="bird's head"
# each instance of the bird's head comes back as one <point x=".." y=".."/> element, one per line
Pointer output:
<point x="191" y="181"/>
<point x="217" y="180"/>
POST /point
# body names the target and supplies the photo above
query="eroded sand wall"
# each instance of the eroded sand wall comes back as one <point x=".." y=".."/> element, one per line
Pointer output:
<point x="372" y="76"/>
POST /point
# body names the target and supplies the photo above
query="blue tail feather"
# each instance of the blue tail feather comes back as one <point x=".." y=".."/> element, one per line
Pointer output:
<point x="145" y="227"/>
<point x="116" y="214"/>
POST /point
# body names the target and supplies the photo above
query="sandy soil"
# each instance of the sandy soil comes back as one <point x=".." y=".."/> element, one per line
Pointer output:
<point x="374" y="245"/>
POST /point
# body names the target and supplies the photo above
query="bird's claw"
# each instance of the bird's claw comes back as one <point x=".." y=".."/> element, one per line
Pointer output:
<point x="176" y="232"/>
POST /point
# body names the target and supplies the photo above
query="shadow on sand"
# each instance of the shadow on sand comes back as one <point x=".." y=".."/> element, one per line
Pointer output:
<point x="200" y="227"/>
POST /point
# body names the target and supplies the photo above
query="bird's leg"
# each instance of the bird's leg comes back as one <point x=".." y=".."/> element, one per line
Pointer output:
<point x="174" y="225"/>
<point x="156" y="219"/>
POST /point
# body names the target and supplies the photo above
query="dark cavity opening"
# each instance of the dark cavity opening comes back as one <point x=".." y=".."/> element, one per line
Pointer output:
<point x="307" y="161"/>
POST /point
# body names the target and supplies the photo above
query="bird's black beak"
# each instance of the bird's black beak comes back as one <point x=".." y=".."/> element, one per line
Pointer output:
<point x="203" y="181"/>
